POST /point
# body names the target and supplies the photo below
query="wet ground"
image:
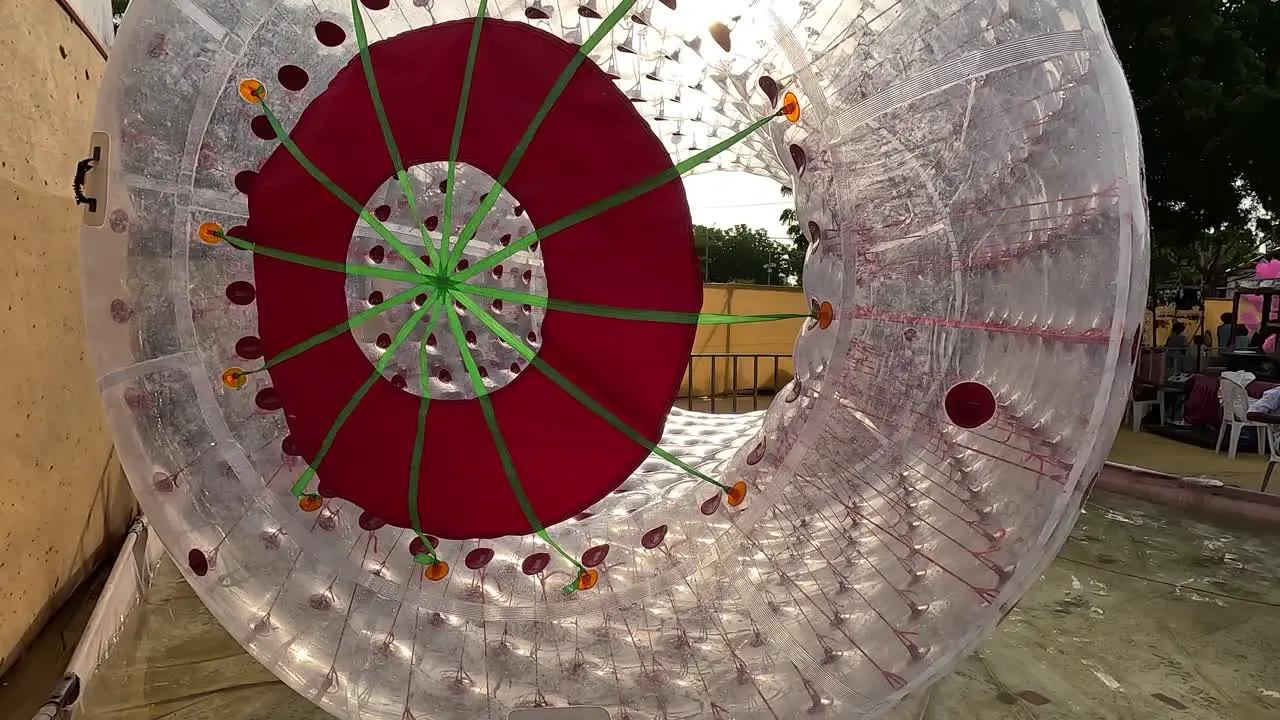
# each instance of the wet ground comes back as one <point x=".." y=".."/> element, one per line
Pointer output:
<point x="1146" y="613"/>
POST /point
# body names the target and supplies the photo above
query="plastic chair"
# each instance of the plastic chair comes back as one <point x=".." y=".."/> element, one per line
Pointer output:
<point x="1235" y="411"/>
<point x="1138" y="409"/>
<point x="1273" y="437"/>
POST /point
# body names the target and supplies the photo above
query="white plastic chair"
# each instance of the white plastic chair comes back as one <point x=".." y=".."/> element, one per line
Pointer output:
<point x="1235" y="411"/>
<point x="1273" y="438"/>
<point x="1138" y="409"/>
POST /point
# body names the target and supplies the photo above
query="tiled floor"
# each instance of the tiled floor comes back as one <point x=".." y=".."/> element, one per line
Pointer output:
<point x="1146" y="613"/>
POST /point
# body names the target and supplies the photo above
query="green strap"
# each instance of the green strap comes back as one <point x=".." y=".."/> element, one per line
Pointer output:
<point x="611" y="202"/>
<point x="517" y="155"/>
<point x="300" y="486"/>
<point x="308" y="261"/>
<point x="338" y="192"/>
<point x="580" y="395"/>
<point x="342" y="327"/>
<point x="415" y="463"/>
<point x="362" y="40"/>
<point x="620" y="313"/>
<point x="500" y="443"/>
<point x="456" y="142"/>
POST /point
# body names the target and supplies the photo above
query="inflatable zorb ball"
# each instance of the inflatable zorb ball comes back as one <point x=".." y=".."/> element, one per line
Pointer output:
<point x="391" y="300"/>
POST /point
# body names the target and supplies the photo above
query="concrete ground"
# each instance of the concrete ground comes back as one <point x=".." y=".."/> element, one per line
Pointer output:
<point x="1154" y="452"/>
<point x="1146" y="613"/>
<point x="64" y="502"/>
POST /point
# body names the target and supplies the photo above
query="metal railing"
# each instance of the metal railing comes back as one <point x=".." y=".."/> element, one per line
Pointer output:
<point x="734" y="382"/>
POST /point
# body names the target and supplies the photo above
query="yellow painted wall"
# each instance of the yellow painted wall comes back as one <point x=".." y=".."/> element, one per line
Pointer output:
<point x="1167" y="315"/>
<point x="63" y="498"/>
<point x="777" y="337"/>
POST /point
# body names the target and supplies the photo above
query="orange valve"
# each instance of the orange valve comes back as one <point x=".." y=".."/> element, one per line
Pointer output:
<point x="252" y="91"/>
<point x="310" y="502"/>
<point x="737" y="493"/>
<point x="791" y="107"/>
<point x="436" y="571"/>
<point x="826" y="314"/>
<point x="234" y="378"/>
<point x="210" y="233"/>
<point x="587" y="579"/>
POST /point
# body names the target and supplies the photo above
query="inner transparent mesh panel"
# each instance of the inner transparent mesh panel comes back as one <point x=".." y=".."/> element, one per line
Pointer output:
<point x="969" y="178"/>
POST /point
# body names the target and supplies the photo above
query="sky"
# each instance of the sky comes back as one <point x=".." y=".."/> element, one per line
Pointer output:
<point x="724" y="199"/>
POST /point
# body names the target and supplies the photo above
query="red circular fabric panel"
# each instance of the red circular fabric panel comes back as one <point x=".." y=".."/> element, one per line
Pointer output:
<point x="969" y="404"/>
<point x="640" y="255"/>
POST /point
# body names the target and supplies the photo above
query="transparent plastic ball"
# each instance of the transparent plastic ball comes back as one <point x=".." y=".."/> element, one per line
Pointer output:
<point x="967" y="176"/>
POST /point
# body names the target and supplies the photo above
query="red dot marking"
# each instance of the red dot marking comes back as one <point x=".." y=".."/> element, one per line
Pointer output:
<point x="478" y="558"/>
<point x="244" y="183"/>
<point x="382" y="212"/>
<point x="444" y="375"/>
<point x="463" y="264"/>
<point x="293" y="77"/>
<point x="431" y="340"/>
<point x="497" y="305"/>
<point x="198" y="563"/>
<point x="268" y="399"/>
<point x="532" y="336"/>
<point x="249" y="347"/>
<point x="497" y="271"/>
<point x="515" y="369"/>
<point x="377" y="253"/>
<point x="654" y="537"/>
<point x="371" y="522"/>
<point x="420" y="300"/>
<point x="376" y="4"/>
<point x="418" y="547"/>
<point x="376" y="298"/>
<point x="506" y="240"/>
<point x="329" y="34"/>
<point x="261" y="127"/>
<point x="471" y="337"/>
<point x="432" y="223"/>
<point x="595" y="556"/>
<point x="289" y="446"/>
<point x="398" y="382"/>
<point x="483" y="371"/>
<point x="241" y="292"/>
<point x="969" y="404"/>
<point x="383" y="341"/>
<point x="535" y="563"/>
<point x="528" y="276"/>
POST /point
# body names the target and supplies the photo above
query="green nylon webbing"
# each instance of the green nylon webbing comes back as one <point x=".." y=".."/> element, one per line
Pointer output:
<point x="613" y="201"/>
<point x="473" y="224"/>
<point x="579" y="394"/>
<point x="336" y="330"/>
<point x="366" y="60"/>
<point x="415" y="463"/>
<point x="307" y="260"/>
<point x="337" y="192"/>
<point x="621" y="313"/>
<point x="300" y="486"/>
<point x="456" y="142"/>
<point x="500" y="443"/>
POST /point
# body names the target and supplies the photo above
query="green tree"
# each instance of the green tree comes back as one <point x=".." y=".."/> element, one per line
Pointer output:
<point x="740" y="254"/>
<point x="1205" y="78"/>
<point x="1208" y="260"/>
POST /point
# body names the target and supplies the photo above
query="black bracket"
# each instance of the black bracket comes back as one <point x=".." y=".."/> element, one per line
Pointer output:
<point x="82" y="171"/>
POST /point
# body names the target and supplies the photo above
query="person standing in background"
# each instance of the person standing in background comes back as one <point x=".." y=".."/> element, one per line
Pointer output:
<point x="1227" y="332"/>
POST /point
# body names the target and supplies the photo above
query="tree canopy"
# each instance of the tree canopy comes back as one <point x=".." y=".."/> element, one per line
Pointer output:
<point x="745" y="255"/>
<point x="1205" y="78"/>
